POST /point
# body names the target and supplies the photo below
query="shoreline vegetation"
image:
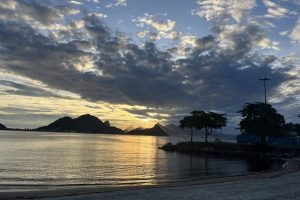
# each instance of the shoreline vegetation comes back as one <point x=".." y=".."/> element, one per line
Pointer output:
<point x="232" y="149"/>
<point x="258" y="119"/>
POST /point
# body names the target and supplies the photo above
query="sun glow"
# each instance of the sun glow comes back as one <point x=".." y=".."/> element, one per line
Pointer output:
<point x="57" y="107"/>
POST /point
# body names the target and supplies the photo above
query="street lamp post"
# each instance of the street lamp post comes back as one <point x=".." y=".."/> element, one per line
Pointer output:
<point x="264" y="80"/>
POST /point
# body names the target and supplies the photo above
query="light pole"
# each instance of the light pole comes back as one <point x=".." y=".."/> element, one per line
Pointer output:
<point x="264" y="80"/>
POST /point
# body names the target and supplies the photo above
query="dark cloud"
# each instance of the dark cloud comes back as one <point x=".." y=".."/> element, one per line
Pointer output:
<point x="41" y="11"/>
<point x="26" y="90"/>
<point x="18" y="110"/>
<point x="31" y="11"/>
<point x="212" y="77"/>
<point x="131" y="74"/>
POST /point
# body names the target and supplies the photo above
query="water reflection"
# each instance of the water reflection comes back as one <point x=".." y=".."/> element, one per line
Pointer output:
<point x="68" y="158"/>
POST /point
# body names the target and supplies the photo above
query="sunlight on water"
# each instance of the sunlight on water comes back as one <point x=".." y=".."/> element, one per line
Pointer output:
<point x="67" y="158"/>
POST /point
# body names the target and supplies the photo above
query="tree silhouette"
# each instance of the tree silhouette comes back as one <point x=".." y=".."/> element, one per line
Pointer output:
<point x="291" y="128"/>
<point x="188" y="122"/>
<point x="262" y="120"/>
<point x="209" y="121"/>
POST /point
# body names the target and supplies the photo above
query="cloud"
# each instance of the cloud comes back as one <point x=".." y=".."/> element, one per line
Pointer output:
<point x="7" y="4"/>
<point x="154" y="36"/>
<point x="295" y="34"/>
<point x="220" y="10"/>
<point x="99" y="15"/>
<point x="127" y="69"/>
<point x="233" y="15"/>
<point x="85" y="57"/>
<point x="275" y="10"/>
<point x="76" y="2"/>
<point x="224" y="69"/>
<point x="117" y="3"/>
<point x="25" y="90"/>
<point x="42" y="13"/>
<point x="160" y="29"/>
<point x="148" y="19"/>
<point x="143" y="34"/>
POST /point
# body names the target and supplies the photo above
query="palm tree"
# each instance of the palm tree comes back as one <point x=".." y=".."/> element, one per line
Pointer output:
<point x="188" y="122"/>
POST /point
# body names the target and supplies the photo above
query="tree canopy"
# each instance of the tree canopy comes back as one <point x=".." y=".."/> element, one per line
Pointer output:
<point x="261" y="119"/>
<point x="204" y="120"/>
<point x="209" y="121"/>
<point x="188" y="122"/>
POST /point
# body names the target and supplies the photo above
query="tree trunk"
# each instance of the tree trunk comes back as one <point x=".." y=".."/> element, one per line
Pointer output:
<point x="264" y="144"/>
<point x="264" y="140"/>
<point x="206" y="132"/>
<point x="191" y="135"/>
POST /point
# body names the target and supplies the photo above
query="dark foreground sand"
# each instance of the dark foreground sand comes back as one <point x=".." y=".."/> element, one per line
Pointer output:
<point x="281" y="184"/>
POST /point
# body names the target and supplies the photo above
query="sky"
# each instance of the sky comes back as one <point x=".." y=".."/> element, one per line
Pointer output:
<point x="138" y="62"/>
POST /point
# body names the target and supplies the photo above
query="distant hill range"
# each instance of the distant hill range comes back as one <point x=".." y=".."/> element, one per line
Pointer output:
<point x="84" y="124"/>
<point x="2" y="127"/>
<point x="91" y="124"/>
<point x="156" y="130"/>
<point x="175" y="131"/>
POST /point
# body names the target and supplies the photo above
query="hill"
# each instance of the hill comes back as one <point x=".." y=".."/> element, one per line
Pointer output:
<point x="2" y="127"/>
<point x="84" y="124"/>
<point x="156" y="130"/>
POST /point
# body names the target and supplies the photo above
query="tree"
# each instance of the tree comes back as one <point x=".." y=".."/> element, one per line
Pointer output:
<point x="262" y="120"/>
<point x="203" y="120"/>
<point x="291" y="128"/>
<point x="188" y="122"/>
<point x="209" y="121"/>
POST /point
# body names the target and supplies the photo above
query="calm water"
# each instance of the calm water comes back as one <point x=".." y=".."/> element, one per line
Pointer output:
<point x="69" y="159"/>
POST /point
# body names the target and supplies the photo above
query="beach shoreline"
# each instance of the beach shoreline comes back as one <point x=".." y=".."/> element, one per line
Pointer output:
<point x="291" y="166"/>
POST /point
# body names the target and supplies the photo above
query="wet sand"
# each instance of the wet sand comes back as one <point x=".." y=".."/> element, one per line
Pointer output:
<point x="277" y="184"/>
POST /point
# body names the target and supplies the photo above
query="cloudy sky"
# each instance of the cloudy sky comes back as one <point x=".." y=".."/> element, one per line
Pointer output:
<point x="138" y="62"/>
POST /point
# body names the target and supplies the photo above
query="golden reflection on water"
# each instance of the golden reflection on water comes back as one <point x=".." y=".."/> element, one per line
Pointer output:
<point x="80" y="159"/>
<point x="135" y="159"/>
<point x="128" y="160"/>
<point x="67" y="159"/>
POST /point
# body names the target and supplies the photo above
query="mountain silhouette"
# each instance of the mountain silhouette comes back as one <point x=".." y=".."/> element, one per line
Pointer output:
<point x="156" y="130"/>
<point x="2" y="127"/>
<point x="84" y="124"/>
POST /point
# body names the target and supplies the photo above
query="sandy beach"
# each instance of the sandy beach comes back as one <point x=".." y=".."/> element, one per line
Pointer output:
<point x="285" y="187"/>
<point x="278" y="184"/>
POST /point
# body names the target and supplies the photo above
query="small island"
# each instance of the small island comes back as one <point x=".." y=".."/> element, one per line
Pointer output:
<point x="82" y="124"/>
<point x="90" y="124"/>
<point x="156" y="130"/>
